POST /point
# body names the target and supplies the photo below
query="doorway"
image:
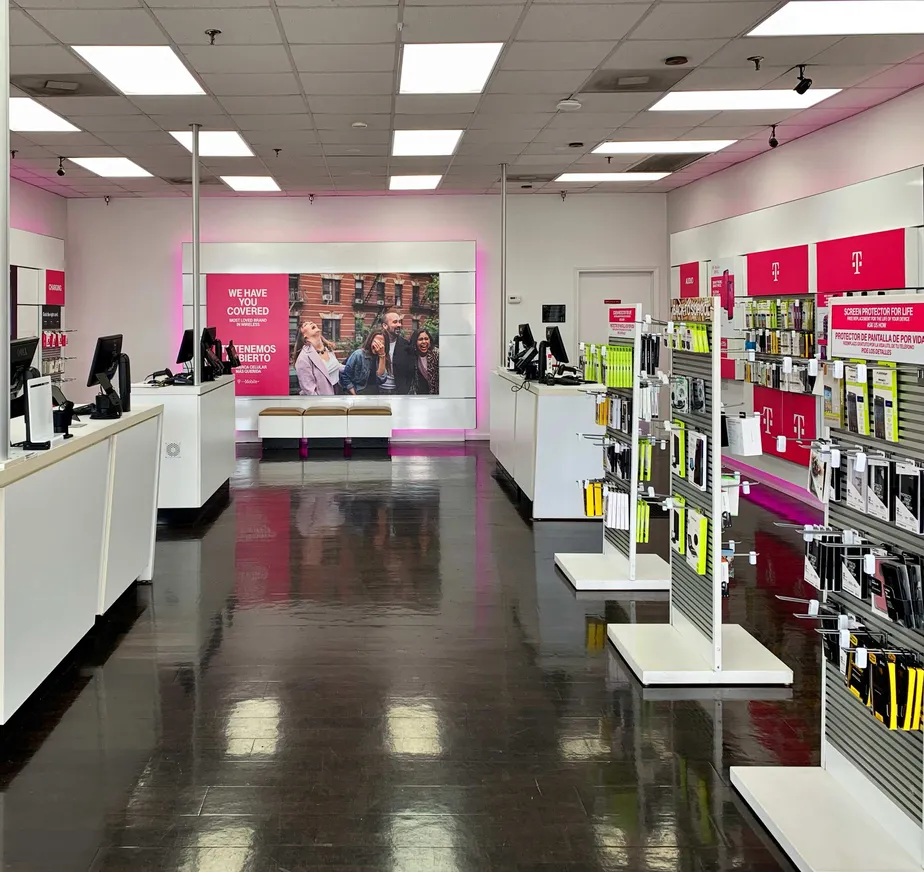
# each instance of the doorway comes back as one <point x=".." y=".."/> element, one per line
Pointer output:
<point x="596" y="287"/>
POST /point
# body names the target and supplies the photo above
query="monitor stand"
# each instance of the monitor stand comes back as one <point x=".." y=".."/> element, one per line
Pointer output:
<point x="108" y="404"/>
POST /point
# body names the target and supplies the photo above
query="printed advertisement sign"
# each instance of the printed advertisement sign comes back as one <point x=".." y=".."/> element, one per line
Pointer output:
<point x="54" y="287"/>
<point x="622" y="320"/>
<point x="778" y="271"/>
<point x="689" y="280"/>
<point x="888" y="329"/>
<point x="253" y="312"/>
<point x="871" y="262"/>
<point x="722" y="284"/>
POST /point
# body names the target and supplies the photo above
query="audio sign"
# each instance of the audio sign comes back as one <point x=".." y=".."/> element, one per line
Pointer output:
<point x="778" y="271"/>
<point x="689" y="279"/>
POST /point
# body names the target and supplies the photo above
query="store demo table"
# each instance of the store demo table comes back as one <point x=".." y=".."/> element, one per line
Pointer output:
<point x="78" y="525"/>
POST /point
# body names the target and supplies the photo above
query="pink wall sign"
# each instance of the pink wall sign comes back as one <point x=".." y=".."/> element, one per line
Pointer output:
<point x="253" y="311"/>
<point x="878" y="329"/>
<point x="871" y="262"/>
<point x="622" y="320"/>
<point x="689" y="279"/>
<point x="54" y="287"/>
<point x="785" y="414"/>
<point x="778" y="271"/>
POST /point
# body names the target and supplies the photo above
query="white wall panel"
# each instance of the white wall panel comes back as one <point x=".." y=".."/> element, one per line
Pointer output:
<point x="457" y="381"/>
<point x="35" y="251"/>
<point x="457" y="287"/>
<point x="188" y="289"/>
<point x="456" y="319"/>
<point x="27" y="286"/>
<point x="457" y="350"/>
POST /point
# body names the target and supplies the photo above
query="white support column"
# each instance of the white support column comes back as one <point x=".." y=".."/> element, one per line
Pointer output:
<point x="503" y="281"/>
<point x="197" y="291"/>
<point x="5" y="230"/>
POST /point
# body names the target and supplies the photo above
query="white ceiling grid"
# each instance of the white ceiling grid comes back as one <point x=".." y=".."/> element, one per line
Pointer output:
<point x="294" y="75"/>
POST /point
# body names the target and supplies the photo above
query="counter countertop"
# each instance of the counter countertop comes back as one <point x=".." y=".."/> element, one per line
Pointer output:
<point x="84" y="437"/>
<point x="150" y="391"/>
<point x="543" y="390"/>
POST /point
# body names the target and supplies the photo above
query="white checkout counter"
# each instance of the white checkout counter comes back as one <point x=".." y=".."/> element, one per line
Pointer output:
<point x="78" y="524"/>
<point x="537" y="437"/>
<point x="197" y="451"/>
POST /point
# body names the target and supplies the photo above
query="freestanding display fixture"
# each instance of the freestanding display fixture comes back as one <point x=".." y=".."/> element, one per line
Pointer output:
<point x="620" y="566"/>
<point x="696" y="647"/>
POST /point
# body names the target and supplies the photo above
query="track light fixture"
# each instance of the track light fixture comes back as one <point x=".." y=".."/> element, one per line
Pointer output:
<point x="773" y="142"/>
<point x="61" y="171"/>
<point x="803" y="84"/>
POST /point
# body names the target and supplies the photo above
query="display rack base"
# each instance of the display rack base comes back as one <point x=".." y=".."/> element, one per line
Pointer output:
<point x="814" y="820"/>
<point x="662" y="654"/>
<point x="611" y="571"/>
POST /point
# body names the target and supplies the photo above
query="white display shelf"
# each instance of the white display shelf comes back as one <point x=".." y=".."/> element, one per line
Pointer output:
<point x="662" y="654"/>
<point x="604" y="572"/>
<point x="819" y="824"/>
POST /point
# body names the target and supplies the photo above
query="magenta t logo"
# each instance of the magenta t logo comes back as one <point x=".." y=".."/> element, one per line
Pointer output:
<point x="799" y="425"/>
<point x="767" y="415"/>
<point x="775" y="270"/>
<point x="856" y="261"/>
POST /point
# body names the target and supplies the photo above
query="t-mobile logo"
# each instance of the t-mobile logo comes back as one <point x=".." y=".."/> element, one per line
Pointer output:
<point x="856" y="259"/>
<point x="775" y="270"/>
<point x="799" y="425"/>
<point x="767" y="415"/>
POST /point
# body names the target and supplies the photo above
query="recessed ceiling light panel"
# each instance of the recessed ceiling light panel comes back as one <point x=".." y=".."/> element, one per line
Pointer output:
<point x="413" y="183"/>
<point x="112" y="167"/>
<point x="593" y="178"/>
<point x="141" y="70"/>
<point x="447" y="68"/>
<point x="682" y="146"/>
<point x="214" y="143"/>
<point x="844" y="18"/>
<point x="251" y="183"/>
<point x="27" y="116"/>
<point x="721" y="101"/>
<point x="418" y="143"/>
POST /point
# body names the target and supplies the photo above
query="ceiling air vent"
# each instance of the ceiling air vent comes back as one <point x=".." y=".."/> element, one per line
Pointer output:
<point x="666" y="163"/>
<point x="77" y="85"/>
<point x="531" y="178"/>
<point x="186" y="181"/>
<point x="633" y="81"/>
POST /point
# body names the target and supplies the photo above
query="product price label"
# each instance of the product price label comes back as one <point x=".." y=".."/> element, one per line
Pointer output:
<point x="885" y="329"/>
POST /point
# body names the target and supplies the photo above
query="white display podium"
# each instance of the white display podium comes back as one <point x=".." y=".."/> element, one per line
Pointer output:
<point x="197" y="449"/>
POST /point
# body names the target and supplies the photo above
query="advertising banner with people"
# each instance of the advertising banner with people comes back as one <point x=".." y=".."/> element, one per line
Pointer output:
<point x="321" y="334"/>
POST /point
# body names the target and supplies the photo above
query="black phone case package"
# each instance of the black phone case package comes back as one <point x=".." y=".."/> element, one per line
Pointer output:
<point x="878" y="492"/>
<point x="907" y="486"/>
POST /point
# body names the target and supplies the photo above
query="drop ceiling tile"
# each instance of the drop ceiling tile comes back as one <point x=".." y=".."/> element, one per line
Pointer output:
<point x="341" y="165"/>
<point x="543" y="163"/>
<point x="237" y="26"/>
<point x="571" y="22"/>
<point x="181" y="121"/>
<point x="830" y="76"/>
<point x="348" y="84"/>
<point x="411" y="121"/>
<point x="573" y="121"/>
<point x="280" y="123"/>
<point x="47" y="60"/>
<point x="870" y="50"/>
<point x="860" y="97"/>
<point x="667" y="120"/>
<point x="235" y="58"/>
<point x="443" y="104"/>
<point x="293" y="104"/>
<point x="504" y="104"/>
<point x="340" y="26"/>
<point x="106" y="123"/>
<point x="265" y="141"/>
<point x="353" y="105"/>
<point x="590" y="135"/>
<point x="65" y="149"/>
<point x="520" y="56"/>
<point x="904" y="76"/>
<point x="355" y="137"/>
<point x="202" y="105"/>
<point x="561" y="83"/>
<point x="784" y="51"/>
<point x="424" y="166"/>
<point x="101" y="26"/>
<point x="722" y="131"/>
<point x="513" y="120"/>
<point x="122" y="139"/>
<point x="480" y="23"/>
<point x="498" y="136"/>
<point x="641" y="54"/>
<point x="702" y="20"/>
<point x="24" y="31"/>
<point x="731" y="119"/>
<point x="344" y="58"/>
<point x="720" y="79"/>
<point x="632" y="102"/>
<point x="68" y="106"/>
<point x="345" y="150"/>
<point x="345" y="121"/>
<point x="254" y="84"/>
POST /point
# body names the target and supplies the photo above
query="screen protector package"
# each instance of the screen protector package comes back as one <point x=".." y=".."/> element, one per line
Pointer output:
<point x="697" y="541"/>
<point x="885" y="403"/>
<point x="857" y="400"/>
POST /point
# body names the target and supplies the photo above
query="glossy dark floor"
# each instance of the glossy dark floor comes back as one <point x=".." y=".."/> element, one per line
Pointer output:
<point x="372" y="664"/>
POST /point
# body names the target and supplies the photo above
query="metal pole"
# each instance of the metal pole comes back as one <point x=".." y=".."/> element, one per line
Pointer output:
<point x="5" y="231"/>
<point x="197" y="302"/>
<point x="503" y="281"/>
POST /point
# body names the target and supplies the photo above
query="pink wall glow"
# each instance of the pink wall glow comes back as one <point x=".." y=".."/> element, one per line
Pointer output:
<point x="37" y="211"/>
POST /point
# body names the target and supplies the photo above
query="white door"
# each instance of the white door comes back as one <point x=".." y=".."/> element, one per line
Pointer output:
<point x="596" y="288"/>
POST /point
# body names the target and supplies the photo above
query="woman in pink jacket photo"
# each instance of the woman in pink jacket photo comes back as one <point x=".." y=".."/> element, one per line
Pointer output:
<point x="316" y="366"/>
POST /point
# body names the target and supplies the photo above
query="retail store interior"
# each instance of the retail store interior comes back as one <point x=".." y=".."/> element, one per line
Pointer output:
<point x="453" y="435"/>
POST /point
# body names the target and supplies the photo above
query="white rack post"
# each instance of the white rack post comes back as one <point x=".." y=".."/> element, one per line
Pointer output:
<point x="696" y="647"/>
<point x="620" y="566"/>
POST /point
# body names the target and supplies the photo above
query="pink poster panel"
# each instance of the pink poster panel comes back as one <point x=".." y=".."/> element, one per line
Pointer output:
<point x="253" y="312"/>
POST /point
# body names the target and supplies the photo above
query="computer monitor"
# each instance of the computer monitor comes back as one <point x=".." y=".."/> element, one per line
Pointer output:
<point x="105" y="361"/>
<point x="556" y="345"/>
<point x="526" y="336"/>
<point x="185" y="354"/>
<point x="22" y="353"/>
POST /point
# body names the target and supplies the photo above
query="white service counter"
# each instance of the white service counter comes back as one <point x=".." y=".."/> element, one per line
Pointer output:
<point x="536" y="436"/>
<point x="197" y="452"/>
<point x="78" y="524"/>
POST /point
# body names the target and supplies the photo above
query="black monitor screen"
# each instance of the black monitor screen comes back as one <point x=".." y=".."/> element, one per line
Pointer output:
<point x="22" y="352"/>
<point x="185" y="354"/>
<point x="209" y="335"/>
<point x="526" y="336"/>
<point x="105" y="358"/>
<point x="556" y="345"/>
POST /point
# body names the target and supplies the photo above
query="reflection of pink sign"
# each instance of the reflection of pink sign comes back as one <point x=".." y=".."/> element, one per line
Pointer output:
<point x="779" y="271"/>
<point x="253" y="311"/>
<point x="622" y="320"/>
<point x="54" y="287"/>
<point x="689" y="280"/>
<point x="873" y="261"/>
<point x="878" y="330"/>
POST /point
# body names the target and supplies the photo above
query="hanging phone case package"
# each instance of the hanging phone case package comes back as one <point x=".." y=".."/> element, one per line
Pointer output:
<point x="857" y="398"/>
<point x="852" y="576"/>
<point x="698" y="396"/>
<point x="697" y="459"/>
<point x="680" y="394"/>
<point x="678" y="524"/>
<point x="856" y="485"/>
<point x="907" y="501"/>
<point x="819" y="477"/>
<point x="678" y="449"/>
<point x="744" y="436"/>
<point x="885" y="403"/>
<point x="879" y="486"/>
<point x="697" y="541"/>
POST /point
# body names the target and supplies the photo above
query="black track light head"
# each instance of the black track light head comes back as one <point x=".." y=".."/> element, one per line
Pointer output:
<point x="803" y="84"/>
<point x="773" y="142"/>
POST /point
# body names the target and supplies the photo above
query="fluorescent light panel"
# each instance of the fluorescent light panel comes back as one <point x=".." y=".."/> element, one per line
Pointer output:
<point x="251" y="183"/>
<point x="593" y="178"/>
<point x="419" y="143"/>
<point x="111" y="167"/>
<point x="844" y="18"/>
<point x="718" y="101"/>
<point x="447" y="68"/>
<point x="27" y="116"/>
<point x="688" y="146"/>
<point x="214" y="143"/>
<point x="141" y="70"/>
<point x="413" y="183"/>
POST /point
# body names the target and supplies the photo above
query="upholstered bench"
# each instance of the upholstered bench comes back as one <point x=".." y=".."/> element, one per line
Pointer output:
<point x="327" y="422"/>
<point x="280" y="422"/>
<point x="369" y="422"/>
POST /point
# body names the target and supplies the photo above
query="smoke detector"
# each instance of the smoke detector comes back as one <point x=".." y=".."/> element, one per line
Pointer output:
<point x="569" y="104"/>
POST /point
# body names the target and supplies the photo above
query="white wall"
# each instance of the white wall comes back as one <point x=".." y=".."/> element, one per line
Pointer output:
<point x="124" y="268"/>
<point x="877" y="142"/>
<point x="37" y="211"/>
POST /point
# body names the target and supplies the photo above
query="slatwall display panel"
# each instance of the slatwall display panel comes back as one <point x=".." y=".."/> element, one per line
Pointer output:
<point x="618" y="538"/>
<point x="892" y="759"/>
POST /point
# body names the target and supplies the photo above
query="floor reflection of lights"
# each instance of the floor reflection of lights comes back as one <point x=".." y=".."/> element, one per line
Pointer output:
<point x="413" y="728"/>
<point x="236" y="841"/>
<point x="252" y="728"/>
<point x="422" y="842"/>
<point x="581" y="745"/>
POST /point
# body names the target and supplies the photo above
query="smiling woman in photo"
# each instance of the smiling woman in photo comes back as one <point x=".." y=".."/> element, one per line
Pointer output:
<point x="316" y="365"/>
<point x="426" y="354"/>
